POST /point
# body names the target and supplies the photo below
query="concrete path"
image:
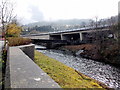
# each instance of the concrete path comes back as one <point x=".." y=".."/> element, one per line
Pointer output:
<point x="24" y="73"/>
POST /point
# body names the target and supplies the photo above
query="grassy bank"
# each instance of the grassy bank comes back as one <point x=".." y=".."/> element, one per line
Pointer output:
<point x="65" y="76"/>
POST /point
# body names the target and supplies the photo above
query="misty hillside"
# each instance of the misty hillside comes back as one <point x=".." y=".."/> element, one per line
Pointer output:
<point x="45" y="26"/>
<point x="59" y="22"/>
<point x="41" y="27"/>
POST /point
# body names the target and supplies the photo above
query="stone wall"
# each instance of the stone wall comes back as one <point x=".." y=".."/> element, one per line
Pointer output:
<point x="28" y="50"/>
<point x="22" y="72"/>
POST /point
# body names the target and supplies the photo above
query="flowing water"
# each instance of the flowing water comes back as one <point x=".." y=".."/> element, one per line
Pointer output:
<point x="108" y="74"/>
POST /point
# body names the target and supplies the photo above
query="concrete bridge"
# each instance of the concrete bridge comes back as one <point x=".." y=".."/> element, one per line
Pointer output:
<point x="74" y="36"/>
<point x="79" y="35"/>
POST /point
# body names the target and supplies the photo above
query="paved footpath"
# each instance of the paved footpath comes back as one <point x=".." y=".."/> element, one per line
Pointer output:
<point x="24" y="73"/>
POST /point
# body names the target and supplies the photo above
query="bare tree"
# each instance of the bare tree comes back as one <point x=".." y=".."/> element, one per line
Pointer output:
<point x="91" y="23"/>
<point x="6" y="15"/>
<point x="96" y="21"/>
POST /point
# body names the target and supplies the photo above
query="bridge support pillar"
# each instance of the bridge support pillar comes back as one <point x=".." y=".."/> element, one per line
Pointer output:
<point x="61" y="37"/>
<point x="81" y="38"/>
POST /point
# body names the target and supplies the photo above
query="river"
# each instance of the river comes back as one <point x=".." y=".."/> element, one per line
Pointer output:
<point x="108" y="74"/>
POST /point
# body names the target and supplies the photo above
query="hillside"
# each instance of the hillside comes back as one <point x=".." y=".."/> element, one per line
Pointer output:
<point x="41" y="27"/>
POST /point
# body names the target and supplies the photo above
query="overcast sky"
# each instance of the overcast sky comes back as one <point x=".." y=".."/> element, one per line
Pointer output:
<point x="49" y="10"/>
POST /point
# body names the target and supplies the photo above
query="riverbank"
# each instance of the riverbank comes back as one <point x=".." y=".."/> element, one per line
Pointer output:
<point x="89" y="50"/>
<point x="65" y="76"/>
<point x="92" y="51"/>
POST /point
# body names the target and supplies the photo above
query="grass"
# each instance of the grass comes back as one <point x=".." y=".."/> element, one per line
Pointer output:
<point x="65" y="76"/>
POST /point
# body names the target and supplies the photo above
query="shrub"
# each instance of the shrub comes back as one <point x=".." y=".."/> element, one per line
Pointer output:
<point x="13" y="30"/>
<point x="16" y="41"/>
<point x="110" y="52"/>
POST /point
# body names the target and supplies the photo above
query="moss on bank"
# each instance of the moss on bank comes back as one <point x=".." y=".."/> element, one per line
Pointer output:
<point x="65" y="76"/>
